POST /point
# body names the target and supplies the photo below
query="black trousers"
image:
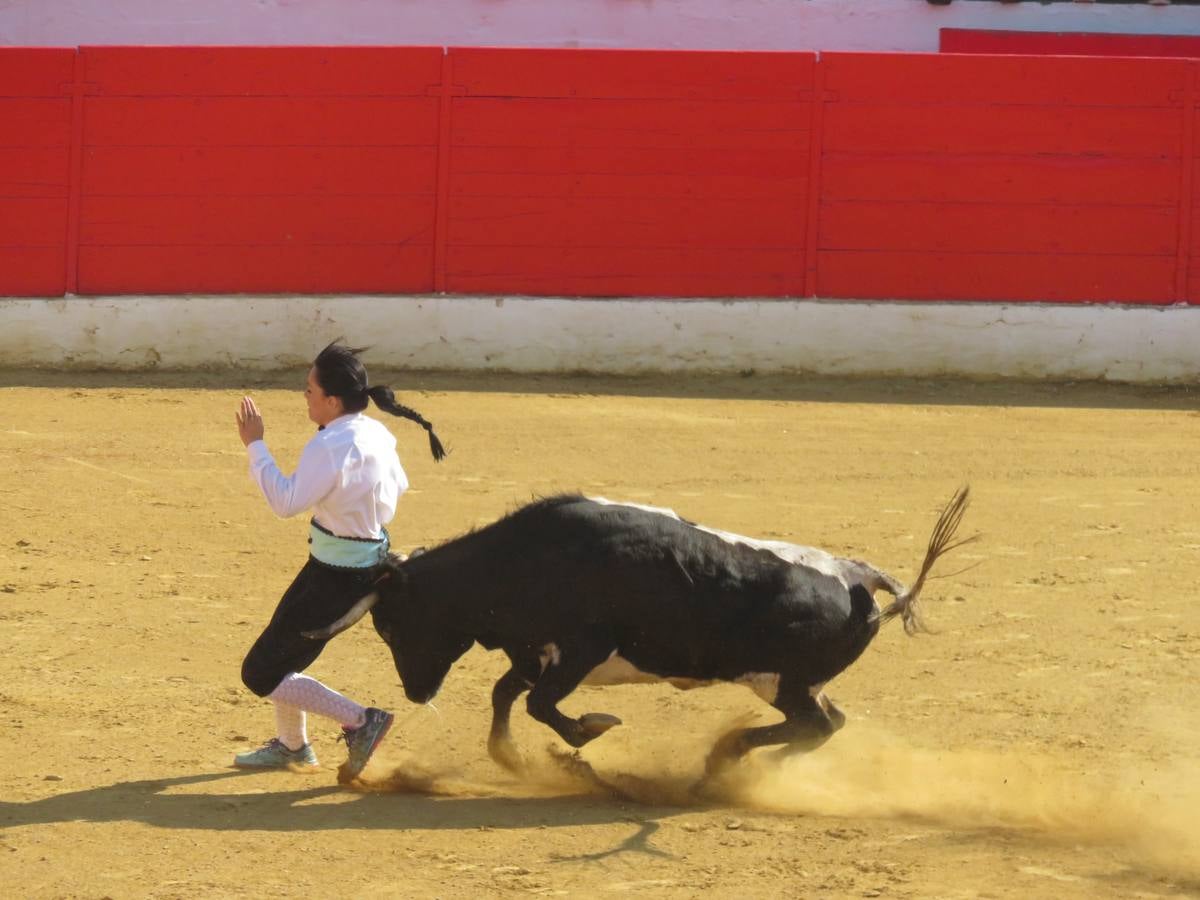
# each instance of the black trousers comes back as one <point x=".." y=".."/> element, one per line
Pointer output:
<point x="319" y="596"/>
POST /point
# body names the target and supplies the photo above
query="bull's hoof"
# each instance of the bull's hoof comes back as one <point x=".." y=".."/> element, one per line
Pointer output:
<point x="592" y="725"/>
<point x="704" y="790"/>
<point x="506" y="755"/>
<point x="726" y="751"/>
<point x="836" y="717"/>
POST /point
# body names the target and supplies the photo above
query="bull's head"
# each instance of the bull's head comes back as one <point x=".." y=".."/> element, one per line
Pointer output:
<point x="422" y="638"/>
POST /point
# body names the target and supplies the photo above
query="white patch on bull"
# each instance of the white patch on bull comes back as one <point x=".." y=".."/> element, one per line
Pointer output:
<point x="550" y="656"/>
<point x="618" y="670"/>
<point x="660" y="510"/>
<point x="765" y="684"/>
<point x="847" y="571"/>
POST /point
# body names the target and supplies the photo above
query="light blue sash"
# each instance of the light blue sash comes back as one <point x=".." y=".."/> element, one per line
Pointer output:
<point x="346" y="553"/>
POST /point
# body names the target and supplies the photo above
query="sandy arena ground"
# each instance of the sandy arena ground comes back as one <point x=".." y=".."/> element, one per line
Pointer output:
<point x="1042" y="744"/>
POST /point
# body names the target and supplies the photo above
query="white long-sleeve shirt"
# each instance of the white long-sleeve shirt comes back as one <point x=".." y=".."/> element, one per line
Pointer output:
<point x="349" y="475"/>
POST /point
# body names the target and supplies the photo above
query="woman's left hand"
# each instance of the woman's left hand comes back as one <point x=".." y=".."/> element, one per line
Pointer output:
<point x="249" y="422"/>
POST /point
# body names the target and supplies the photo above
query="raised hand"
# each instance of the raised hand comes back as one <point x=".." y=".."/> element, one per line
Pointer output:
<point x="249" y="422"/>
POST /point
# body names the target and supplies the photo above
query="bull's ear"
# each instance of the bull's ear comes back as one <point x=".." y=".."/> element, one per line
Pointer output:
<point x="391" y="576"/>
<point x="391" y="572"/>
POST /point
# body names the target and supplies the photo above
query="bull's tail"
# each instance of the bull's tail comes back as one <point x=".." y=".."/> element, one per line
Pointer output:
<point x="941" y="542"/>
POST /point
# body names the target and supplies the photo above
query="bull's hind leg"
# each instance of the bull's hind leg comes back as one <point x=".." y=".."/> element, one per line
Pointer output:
<point x="806" y="726"/>
<point x="836" y="716"/>
<point x="564" y="670"/>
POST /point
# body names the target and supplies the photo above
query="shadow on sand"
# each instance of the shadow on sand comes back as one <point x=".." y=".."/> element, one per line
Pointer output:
<point x="779" y="388"/>
<point x="154" y="802"/>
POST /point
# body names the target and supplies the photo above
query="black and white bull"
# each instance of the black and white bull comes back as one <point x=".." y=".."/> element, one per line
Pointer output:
<point x="588" y="591"/>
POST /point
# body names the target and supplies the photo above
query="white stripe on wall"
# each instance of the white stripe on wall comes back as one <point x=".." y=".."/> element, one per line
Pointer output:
<point x="862" y="25"/>
<point x="987" y="340"/>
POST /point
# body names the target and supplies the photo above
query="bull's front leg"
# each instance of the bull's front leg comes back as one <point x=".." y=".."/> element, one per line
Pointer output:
<point x="511" y="685"/>
<point x="566" y="666"/>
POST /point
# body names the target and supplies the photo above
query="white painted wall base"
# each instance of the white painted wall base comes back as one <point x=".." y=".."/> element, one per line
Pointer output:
<point x="978" y="340"/>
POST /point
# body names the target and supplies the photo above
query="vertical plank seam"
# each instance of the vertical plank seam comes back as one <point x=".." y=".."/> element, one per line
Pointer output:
<point x="816" y="145"/>
<point x="1187" y="187"/>
<point x="442" y="203"/>
<point x="75" y="173"/>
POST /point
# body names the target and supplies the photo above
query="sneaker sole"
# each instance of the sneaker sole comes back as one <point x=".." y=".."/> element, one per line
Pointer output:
<point x="345" y="773"/>
<point x="286" y="767"/>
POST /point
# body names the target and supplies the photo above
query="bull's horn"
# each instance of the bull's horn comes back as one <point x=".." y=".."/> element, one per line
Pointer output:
<point x="353" y="614"/>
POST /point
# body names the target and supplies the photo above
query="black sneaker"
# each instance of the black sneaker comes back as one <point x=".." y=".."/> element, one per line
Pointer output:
<point x="363" y="740"/>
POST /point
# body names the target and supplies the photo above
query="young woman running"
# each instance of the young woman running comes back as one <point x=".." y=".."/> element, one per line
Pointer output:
<point x="350" y="477"/>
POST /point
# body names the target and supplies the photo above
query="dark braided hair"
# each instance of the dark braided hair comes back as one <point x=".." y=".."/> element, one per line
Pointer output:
<point x="341" y="374"/>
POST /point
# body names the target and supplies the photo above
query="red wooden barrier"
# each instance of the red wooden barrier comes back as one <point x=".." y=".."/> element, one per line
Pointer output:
<point x="1189" y="212"/>
<point x="606" y="173"/>
<point x="1001" y="178"/>
<point x="301" y="169"/>
<point x="35" y="164"/>
<point x="598" y="173"/>
<point x="1066" y="43"/>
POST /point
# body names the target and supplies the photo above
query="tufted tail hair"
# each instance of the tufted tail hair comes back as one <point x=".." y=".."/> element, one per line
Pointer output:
<point x="941" y="542"/>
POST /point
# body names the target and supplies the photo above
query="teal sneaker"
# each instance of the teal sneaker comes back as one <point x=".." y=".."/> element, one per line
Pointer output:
<point x="362" y="742"/>
<point x="274" y="754"/>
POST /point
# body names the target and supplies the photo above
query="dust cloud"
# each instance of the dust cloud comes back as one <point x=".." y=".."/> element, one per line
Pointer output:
<point x="409" y="774"/>
<point x="1147" y="811"/>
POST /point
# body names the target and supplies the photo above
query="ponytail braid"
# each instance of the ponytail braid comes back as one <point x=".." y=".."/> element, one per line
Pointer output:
<point x="386" y="400"/>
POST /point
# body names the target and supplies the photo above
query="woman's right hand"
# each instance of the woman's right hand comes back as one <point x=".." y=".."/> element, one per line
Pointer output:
<point x="249" y="422"/>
